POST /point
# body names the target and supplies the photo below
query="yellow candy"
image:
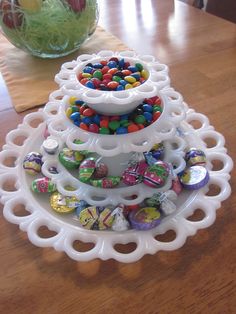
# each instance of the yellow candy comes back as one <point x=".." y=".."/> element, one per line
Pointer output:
<point x="136" y="84"/>
<point x="130" y="79"/>
<point x="72" y="100"/>
<point x="63" y="204"/>
<point x="145" y="74"/>
<point x="128" y="86"/>
<point x="68" y="112"/>
<point x="86" y="75"/>
<point x="31" y="5"/>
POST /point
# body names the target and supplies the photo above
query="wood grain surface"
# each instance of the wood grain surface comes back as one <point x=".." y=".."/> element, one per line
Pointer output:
<point x="200" y="50"/>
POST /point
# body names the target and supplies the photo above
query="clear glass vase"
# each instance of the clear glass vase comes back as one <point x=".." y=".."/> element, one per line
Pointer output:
<point x="48" y="28"/>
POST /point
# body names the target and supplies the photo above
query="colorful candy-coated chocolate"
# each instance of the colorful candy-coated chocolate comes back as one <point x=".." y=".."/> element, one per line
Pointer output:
<point x="194" y="178"/>
<point x="157" y="174"/>
<point x="89" y="120"/>
<point x="32" y="163"/>
<point x="195" y="157"/>
<point x="113" y="74"/>
<point x="67" y="159"/>
<point x="63" y="204"/>
<point x="43" y="185"/>
<point x="87" y="169"/>
<point x="106" y="183"/>
<point x="145" y="218"/>
<point x="101" y="171"/>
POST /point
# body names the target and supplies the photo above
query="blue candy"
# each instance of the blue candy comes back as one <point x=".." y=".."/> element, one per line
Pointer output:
<point x="121" y="130"/>
<point x="87" y="120"/>
<point x="90" y="84"/>
<point x="123" y="82"/>
<point x="96" y="119"/>
<point x="121" y="63"/>
<point x="136" y="76"/>
<point x="98" y="65"/>
<point x="77" y="122"/>
<point x="124" y="117"/>
<point x="75" y="116"/>
<point x="112" y="64"/>
<point x="79" y="102"/>
<point x="147" y="108"/>
<point x="120" y="87"/>
<point x="88" y="69"/>
<point x="148" y="116"/>
<point x="132" y="69"/>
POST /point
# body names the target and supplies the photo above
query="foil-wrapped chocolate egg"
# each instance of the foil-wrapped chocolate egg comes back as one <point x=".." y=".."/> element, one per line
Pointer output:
<point x="32" y="163"/>
<point x="156" y="175"/>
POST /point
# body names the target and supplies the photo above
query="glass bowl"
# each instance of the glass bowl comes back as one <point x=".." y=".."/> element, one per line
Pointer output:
<point x="48" y="28"/>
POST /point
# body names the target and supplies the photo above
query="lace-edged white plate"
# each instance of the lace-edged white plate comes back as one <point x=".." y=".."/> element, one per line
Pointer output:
<point x="15" y="191"/>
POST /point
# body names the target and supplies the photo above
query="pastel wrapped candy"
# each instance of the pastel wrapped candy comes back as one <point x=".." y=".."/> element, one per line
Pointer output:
<point x="158" y="150"/>
<point x="106" y="183"/>
<point x="87" y="169"/>
<point x="134" y="174"/>
<point x="195" y="157"/>
<point x="69" y="159"/>
<point x="99" y="218"/>
<point x="120" y="223"/>
<point x="156" y="175"/>
<point x="43" y="185"/>
<point x="32" y="163"/>
<point x="101" y="171"/>
<point x="88" y="217"/>
<point x="194" y="178"/>
<point x="63" y="204"/>
<point x="105" y="219"/>
<point x="145" y="218"/>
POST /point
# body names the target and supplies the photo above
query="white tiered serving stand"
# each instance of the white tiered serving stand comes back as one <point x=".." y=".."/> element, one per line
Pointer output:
<point x="173" y="128"/>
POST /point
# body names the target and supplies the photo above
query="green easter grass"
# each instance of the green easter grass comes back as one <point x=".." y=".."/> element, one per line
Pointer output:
<point x="55" y="29"/>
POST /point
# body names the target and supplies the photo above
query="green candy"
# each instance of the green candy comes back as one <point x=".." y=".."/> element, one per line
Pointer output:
<point x="106" y="183"/>
<point x="98" y="74"/>
<point x="157" y="108"/>
<point x="140" y="119"/>
<point x="116" y="78"/>
<point x="104" y="131"/>
<point x="124" y="123"/>
<point x="74" y="108"/>
<point x="113" y="125"/>
<point x="139" y="66"/>
<point x="67" y="159"/>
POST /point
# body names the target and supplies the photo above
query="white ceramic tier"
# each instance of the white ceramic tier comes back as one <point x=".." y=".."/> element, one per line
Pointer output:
<point x="174" y="154"/>
<point x="113" y="102"/>
<point x="111" y="145"/>
<point x="67" y="228"/>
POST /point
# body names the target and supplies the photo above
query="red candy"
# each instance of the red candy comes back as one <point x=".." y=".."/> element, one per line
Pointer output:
<point x="112" y="85"/>
<point x="83" y="126"/>
<point x="133" y="128"/>
<point x="88" y="112"/>
<point x="104" y="123"/>
<point x="93" y="128"/>
<point x="156" y="115"/>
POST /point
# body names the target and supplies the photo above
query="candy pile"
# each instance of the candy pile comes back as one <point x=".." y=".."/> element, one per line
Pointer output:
<point x="89" y="120"/>
<point x="150" y="170"/>
<point x="113" y="75"/>
<point x="147" y="168"/>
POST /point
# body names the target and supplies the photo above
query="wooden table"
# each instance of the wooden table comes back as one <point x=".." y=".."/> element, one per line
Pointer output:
<point x="200" y="50"/>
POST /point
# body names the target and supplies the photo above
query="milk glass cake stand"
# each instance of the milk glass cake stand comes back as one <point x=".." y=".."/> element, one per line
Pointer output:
<point x="174" y="128"/>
